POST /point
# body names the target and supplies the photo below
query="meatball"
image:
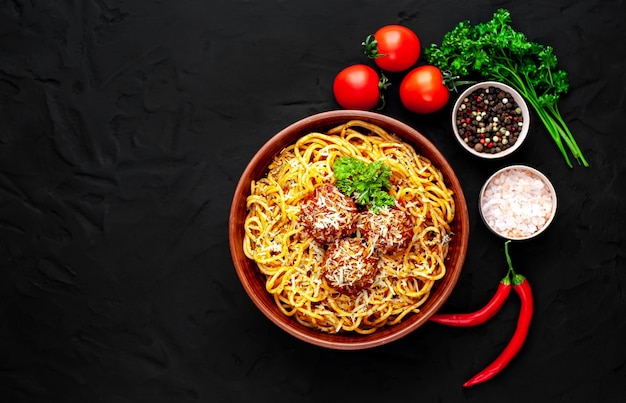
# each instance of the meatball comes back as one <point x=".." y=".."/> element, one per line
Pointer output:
<point x="388" y="230"/>
<point x="349" y="265"/>
<point x="328" y="214"/>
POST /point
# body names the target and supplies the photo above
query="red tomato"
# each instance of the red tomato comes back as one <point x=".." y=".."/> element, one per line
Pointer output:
<point x="423" y="91"/>
<point x="357" y="87"/>
<point x="394" y="48"/>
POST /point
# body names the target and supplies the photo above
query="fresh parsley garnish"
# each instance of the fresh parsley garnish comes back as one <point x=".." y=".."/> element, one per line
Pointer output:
<point x="366" y="183"/>
<point x="493" y="50"/>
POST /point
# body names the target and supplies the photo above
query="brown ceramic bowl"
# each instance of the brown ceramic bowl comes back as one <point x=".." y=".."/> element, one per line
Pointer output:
<point x="254" y="282"/>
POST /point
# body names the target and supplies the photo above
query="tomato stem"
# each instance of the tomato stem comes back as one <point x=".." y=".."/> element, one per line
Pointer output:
<point x="383" y="84"/>
<point x="371" y="47"/>
<point x="452" y="82"/>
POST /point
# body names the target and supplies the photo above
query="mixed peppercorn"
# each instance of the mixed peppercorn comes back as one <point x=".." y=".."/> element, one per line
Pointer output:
<point x="489" y="120"/>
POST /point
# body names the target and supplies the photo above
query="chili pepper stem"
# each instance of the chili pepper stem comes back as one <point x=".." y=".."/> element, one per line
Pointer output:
<point x="516" y="278"/>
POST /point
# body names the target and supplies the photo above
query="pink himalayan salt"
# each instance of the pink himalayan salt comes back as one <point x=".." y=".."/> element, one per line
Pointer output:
<point x="517" y="203"/>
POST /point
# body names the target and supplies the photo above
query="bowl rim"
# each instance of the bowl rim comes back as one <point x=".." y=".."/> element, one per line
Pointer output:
<point x="287" y="136"/>
<point x="543" y="178"/>
<point x="521" y="102"/>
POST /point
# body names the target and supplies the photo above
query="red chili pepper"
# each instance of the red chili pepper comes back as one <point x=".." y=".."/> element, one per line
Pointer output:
<point x="483" y="314"/>
<point x="523" y="290"/>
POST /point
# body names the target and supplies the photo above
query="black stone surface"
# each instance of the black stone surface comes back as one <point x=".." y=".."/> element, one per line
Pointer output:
<point x="124" y="127"/>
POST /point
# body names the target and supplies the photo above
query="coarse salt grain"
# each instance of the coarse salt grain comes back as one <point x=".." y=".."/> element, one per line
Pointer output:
<point x="516" y="203"/>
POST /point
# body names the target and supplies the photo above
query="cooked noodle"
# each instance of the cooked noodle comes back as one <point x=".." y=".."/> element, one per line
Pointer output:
<point x="291" y="260"/>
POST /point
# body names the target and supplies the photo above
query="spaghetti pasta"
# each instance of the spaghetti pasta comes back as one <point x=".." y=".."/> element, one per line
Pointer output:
<point x="292" y="260"/>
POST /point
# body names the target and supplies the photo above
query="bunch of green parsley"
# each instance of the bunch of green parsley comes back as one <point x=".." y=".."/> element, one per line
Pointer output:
<point x="493" y="50"/>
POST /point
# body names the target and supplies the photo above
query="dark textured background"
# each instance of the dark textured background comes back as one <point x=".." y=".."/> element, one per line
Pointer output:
<point x="124" y="127"/>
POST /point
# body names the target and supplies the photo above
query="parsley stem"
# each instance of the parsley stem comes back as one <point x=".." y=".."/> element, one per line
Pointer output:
<point x="576" y="150"/>
<point x="549" y="115"/>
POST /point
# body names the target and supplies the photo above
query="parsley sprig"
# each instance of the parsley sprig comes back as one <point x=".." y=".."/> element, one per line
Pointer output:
<point x="366" y="183"/>
<point x="493" y="50"/>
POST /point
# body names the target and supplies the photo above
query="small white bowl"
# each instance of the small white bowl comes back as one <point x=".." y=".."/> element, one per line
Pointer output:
<point x="517" y="202"/>
<point x="460" y="136"/>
